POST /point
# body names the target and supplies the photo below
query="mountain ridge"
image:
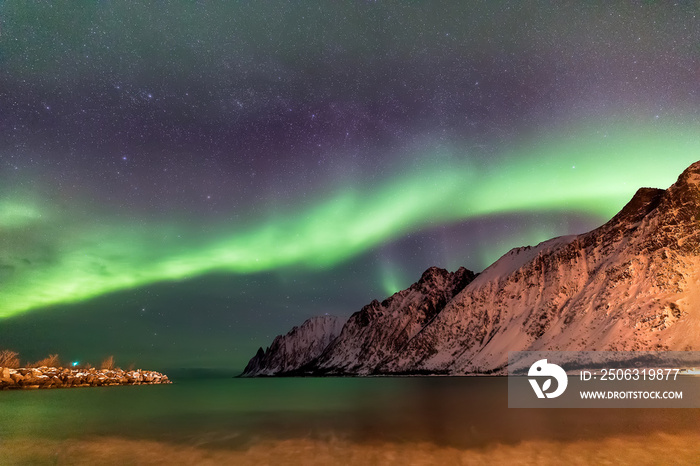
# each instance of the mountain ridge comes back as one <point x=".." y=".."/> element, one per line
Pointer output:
<point x="626" y="285"/>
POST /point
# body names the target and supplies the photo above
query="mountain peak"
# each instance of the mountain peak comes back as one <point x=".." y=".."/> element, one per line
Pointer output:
<point x="432" y="274"/>
<point x="688" y="181"/>
<point x="670" y="213"/>
<point x="679" y="209"/>
<point x="694" y="168"/>
<point x="644" y="201"/>
<point x="437" y="278"/>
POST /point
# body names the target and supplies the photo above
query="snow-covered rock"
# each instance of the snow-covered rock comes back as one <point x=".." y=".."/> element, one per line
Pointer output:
<point x="298" y="347"/>
<point x="59" y="377"/>
<point x="380" y="330"/>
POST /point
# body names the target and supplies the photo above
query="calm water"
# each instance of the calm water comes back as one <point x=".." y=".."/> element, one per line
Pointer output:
<point x="233" y="416"/>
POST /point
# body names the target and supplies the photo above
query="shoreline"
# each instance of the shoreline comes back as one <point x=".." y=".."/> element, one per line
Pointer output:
<point x="654" y="448"/>
<point x="27" y="378"/>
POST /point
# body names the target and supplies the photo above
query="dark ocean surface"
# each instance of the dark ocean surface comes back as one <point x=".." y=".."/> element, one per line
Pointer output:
<point x="422" y="420"/>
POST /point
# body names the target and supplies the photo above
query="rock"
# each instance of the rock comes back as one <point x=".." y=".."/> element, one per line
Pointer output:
<point x="52" y="377"/>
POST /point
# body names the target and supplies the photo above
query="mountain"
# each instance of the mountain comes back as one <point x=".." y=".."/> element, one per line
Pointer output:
<point x="298" y="347"/>
<point x="631" y="284"/>
<point x="380" y="330"/>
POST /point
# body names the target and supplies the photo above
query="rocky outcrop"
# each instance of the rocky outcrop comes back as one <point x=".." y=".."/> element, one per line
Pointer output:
<point x="381" y="330"/>
<point x="56" y="377"/>
<point x="295" y="349"/>
<point x="631" y="284"/>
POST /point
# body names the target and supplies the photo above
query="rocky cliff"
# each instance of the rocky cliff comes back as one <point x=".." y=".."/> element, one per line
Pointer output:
<point x="298" y="347"/>
<point x="381" y="330"/>
<point x="631" y="284"/>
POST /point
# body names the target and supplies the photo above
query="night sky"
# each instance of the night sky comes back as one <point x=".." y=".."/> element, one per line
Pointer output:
<point x="182" y="181"/>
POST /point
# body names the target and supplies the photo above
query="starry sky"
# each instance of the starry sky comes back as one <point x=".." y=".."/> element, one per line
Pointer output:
<point x="182" y="181"/>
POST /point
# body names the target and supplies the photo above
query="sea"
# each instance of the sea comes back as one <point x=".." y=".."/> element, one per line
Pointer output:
<point x="326" y="421"/>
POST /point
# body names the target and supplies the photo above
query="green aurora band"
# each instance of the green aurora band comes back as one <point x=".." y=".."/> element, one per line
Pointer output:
<point x="49" y="256"/>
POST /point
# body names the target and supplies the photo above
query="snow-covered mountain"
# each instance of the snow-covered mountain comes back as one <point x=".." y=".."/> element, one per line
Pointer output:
<point x="298" y="347"/>
<point x="381" y="330"/>
<point x="632" y="284"/>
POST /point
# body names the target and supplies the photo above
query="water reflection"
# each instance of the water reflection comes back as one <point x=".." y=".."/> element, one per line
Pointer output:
<point x="237" y="414"/>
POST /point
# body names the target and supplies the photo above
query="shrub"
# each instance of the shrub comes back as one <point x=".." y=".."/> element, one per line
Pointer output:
<point x="9" y="359"/>
<point x="108" y="363"/>
<point x="51" y="361"/>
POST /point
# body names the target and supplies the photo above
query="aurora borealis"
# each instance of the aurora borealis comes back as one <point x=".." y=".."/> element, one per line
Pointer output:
<point x="266" y="163"/>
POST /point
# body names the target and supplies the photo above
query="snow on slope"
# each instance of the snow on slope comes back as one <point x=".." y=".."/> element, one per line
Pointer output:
<point x="381" y="329"/>
<point x="296" y="348"/>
